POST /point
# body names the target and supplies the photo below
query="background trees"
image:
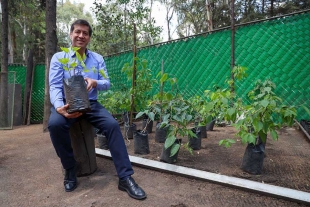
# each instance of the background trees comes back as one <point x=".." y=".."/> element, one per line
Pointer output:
<point x="113" y="31"/>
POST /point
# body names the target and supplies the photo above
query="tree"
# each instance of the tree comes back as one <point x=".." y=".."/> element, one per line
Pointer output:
<point x="26" y="22"/>
<point x="169" y="15"/>
<point x="50" y="50"/>
<point x="114" y="30"/>
<point x="4" y="118"/>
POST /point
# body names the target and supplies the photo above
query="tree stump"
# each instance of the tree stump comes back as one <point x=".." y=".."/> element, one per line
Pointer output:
<point x="83" y="144"/>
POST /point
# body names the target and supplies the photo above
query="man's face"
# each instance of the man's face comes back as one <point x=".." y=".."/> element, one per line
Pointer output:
<point x="80" y="36"/>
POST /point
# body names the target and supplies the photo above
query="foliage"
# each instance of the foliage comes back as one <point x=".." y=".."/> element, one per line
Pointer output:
<point x="177" y="118"/>
<point x="27" y="29"/>
<point x="192" y="15"/>
<point x="159" y="103"/>
<point x="265" y="114"/>
<point x="114" y="30"/>
<point x="71" y="64"/>
<point x="115" y="101"/>
<point x="142" y="85"/>
<point x="200" y="110"/>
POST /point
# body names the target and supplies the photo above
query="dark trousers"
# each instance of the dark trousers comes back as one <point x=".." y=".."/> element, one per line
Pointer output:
<point x="101" y="119"/>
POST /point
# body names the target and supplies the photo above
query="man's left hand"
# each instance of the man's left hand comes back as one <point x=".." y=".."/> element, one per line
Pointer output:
<point x="91" y="83"/>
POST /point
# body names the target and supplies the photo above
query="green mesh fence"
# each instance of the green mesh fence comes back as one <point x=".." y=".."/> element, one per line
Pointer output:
<point x="277" y="49"/>
<point x="37" y="99"/>
<point x="21" y="72"/>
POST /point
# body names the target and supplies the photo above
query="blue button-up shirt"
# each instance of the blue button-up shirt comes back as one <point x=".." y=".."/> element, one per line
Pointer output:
<point x="94" y="62"/>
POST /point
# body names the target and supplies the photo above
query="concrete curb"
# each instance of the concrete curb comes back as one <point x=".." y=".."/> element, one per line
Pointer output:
<point x="261" y="188"/>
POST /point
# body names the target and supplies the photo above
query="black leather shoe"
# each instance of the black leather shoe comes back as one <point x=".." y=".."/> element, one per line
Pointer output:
<point x="70" y="180"/>
<point x="132" y="188"/>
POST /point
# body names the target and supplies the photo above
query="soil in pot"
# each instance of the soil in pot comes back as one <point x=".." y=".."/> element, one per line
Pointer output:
<point x="253" y="159"/>
<point x="165" y="154"/>
<point x="160" y="133"/>
<point x="195" y="142"/>
<point x="76" y="94"/>
<point x="129" y="130"/>
<point x="141" y="142"/>
<point x="148" y="125"/>
<point x="210" y="125"/>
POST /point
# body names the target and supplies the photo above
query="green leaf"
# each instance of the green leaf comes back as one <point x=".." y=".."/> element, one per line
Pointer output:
<point x="169" y="141"/>
<point x="64" y="60"/>
<point x="163" y="78"/>
<point x="75" y="48"/>
<point x="102" y="73"/>
<point x="174" y="149"/>
<point x="264" y="103"/>
<point x="274" y="134"/>
<point x="151" y="115"/>
<point x="66" y="50"/>
<point x="73" y="65"/>
<point x="231" y="111"/>
<point x="139" y="114"/>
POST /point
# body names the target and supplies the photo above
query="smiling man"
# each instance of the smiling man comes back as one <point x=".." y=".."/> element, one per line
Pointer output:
<point x="60" y="120"/>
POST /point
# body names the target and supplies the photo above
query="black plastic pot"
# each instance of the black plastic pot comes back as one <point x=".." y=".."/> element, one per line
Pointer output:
<point x="160" y="133"/>
<point x="129" y="130"/>
<point x="203" y="131"/>
<point x="76" y="94"/>
<point x="165" y="154"/>
<point x="149" y="125"/>
<point x="126" y="117"/>
<point x="306" y="125"/>
<point x="253" y="158"/>
<point x="210" y="125"/>
<point x="102" y="141"/>
<point x="195" y="142"/>
<point x="141" y="142"/>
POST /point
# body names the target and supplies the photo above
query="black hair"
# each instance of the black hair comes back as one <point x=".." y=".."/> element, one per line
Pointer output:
<point x="81" y="22"/>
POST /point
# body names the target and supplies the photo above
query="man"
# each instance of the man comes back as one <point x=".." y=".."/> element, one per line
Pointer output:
<point x="60" y="121"/>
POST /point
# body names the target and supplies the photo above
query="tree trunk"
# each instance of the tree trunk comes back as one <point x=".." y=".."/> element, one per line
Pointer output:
<point x="50" y="50"/>
<point x="28" y="88"/>
<point x="209" y="16"/>
<point x="4" y="118"/>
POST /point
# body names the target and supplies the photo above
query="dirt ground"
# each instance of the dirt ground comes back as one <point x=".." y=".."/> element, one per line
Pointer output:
<point x="31" y="173"/>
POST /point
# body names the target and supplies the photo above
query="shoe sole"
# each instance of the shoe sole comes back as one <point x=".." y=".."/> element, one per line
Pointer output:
<point x="133" y="196"/>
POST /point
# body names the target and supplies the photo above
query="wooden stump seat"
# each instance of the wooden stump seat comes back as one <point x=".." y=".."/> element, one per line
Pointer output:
<point x="83" y="144"/>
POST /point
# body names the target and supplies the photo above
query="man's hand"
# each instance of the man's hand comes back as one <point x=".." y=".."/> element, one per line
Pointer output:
<point x="63" y="111"/>
<point x="91" y="83"/>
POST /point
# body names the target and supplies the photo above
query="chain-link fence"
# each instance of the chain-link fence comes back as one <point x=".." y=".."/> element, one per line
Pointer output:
<point x="278" y="49"/>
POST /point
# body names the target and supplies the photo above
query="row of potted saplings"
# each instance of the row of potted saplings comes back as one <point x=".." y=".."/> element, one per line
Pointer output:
<point x="176" y="120"/>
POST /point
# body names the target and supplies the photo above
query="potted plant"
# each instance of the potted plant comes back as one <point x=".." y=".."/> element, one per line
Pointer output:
<point x="265" y="114"/>
<point x="141" y="141"/>
<point x="177" y="119"/>
<point x="160" y="104"/>
<point x="201" y="114"/>
<point x="139" y="91"/>
<point x="75" y="87"/>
